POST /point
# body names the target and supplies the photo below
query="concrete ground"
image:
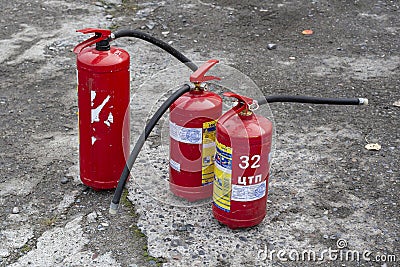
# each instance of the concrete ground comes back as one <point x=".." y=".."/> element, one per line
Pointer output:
<point x="328" y="194"/>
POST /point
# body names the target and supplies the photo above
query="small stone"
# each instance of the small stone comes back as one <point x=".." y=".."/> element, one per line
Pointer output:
<point x="109" y="17"/>
<point x="271" y="46"/>
<point x="243" y="238"/>
<point x="15" y="210"/>
<point x="100" y="228"/>
<point x="91" y="217"/>
<point x="64" y="180"/>
<point x="292" y="58"/>
<point x="177" y="256"/>
<point x="326" y="236"/>
<point x="165" y="33"/>
<point x="105" y="224"/>
<point x="181" y="228"/>
<point x="143" y="13"/>
<point x="98" y="4"/>
<point x="326" y="212"/>
<point x="150" y="24"/>
<point x="201" y="252"/>
<point x="175" y="243"/>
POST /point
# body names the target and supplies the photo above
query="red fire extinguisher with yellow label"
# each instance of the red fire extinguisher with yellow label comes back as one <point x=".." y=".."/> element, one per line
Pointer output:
<point x="242" y="160"/>
<point x="103" y="103"/>
<point x="192" y="138"/>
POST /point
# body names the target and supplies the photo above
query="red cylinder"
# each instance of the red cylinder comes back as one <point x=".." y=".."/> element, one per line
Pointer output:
<point x="192" y="144"/>
<point x="103" y="102"/>
<point x="243" y="145"/>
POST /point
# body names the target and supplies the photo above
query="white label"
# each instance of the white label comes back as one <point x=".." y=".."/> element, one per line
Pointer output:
<point x="185" y="135"/>
<point x="175" y="165"/>
<point x="248" y="193"/>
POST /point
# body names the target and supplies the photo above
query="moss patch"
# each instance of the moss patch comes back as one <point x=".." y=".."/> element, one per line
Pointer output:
<point x="137" y="232"/>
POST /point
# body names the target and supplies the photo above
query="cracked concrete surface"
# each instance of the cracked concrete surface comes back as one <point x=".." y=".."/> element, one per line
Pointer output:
<point x="325" y="186"/>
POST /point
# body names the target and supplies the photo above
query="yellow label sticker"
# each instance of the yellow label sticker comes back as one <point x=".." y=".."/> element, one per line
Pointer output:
<point x="222" y="177"/>
<point x="208" y="152"/>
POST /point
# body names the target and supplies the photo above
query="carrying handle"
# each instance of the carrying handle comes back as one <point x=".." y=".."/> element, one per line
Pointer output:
<point x="100" y="35"/>
<point x="199" y="75"/>
<point x="244" y="101"/>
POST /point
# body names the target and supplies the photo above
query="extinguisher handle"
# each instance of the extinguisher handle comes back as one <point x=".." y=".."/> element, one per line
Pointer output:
<point x="249" y="102"/>
<point x="199" y="75"/>
<point x="100" y="35"/>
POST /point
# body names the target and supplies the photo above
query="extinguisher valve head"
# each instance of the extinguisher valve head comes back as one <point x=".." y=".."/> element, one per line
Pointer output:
<point x="100" y="35"/>
<point x="247" y="104"/>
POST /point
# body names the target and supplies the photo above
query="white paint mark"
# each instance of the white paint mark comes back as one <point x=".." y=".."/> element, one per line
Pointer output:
<point x="93" y="139"/>
<point x="96" y="111"/>
<point x="92" y="97"/>
<point x="109" y="120"/>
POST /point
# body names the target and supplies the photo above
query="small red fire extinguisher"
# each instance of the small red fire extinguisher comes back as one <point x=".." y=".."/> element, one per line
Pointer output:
<point x="192" y="138"/>
<point x="103" y="102"/>
<point x="242" y="160"/>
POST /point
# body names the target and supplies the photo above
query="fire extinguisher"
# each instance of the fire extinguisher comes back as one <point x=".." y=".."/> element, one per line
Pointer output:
<point x="103" y="103"/>
<point x="192" y="138"/>
<point x="242" y="161"/>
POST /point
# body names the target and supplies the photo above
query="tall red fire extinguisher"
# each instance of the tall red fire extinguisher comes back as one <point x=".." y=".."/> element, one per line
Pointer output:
<point x="103" y="102"/>
<point x="242" y="160"/>
<point x="192" y="138"/>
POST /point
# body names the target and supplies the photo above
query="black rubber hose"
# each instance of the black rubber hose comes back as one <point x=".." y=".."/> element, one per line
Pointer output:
<point x="270" y="99"/>
<point x="139" y="144"/>
<point x="313" y="100"/>
<point x="163" y="45"/>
